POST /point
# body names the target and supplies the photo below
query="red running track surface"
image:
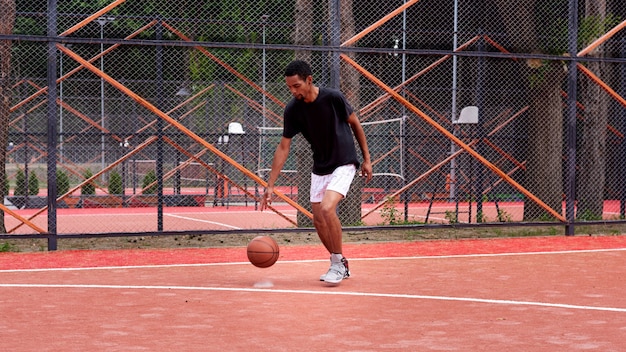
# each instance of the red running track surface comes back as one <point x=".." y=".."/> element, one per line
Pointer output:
<point x="516" y="294"/>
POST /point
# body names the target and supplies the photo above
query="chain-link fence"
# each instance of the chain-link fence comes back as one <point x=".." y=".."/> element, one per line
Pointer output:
<point x="475" y="111"/>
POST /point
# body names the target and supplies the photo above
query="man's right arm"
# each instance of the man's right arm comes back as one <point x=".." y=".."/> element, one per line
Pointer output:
<point x="280" y="157"/>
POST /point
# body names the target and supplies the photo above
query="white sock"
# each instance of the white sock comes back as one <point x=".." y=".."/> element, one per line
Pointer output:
<point x="336" y="257"/>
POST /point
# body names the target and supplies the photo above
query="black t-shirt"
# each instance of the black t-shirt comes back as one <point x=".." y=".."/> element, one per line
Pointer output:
<point x="323" y="123"/>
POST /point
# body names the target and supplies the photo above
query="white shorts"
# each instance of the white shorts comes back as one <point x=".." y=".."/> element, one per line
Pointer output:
<point x="339" y="181"/>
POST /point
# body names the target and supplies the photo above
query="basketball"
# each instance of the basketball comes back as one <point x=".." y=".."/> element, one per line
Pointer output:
<point x="263" y="251"/>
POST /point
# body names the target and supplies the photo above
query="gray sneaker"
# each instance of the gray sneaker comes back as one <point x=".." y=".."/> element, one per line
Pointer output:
<point x="337" y="272"/>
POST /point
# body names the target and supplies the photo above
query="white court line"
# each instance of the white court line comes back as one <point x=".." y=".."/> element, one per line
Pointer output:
<point x="294" y="213"/>
<point x="452" y="256"/>
<point x="203" y="221"/>
<point x="347" y="293"/>
<point x="497" y="254"/>
<point x="208" y="221"/>
<point x="328" y="293"/>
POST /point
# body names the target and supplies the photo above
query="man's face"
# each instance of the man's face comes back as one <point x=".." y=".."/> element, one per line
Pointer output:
<point x="299" y="88"/>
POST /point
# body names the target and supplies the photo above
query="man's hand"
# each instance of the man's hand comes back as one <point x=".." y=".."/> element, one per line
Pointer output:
<point x="366" y="170"/>
<point x="266" y="199"/>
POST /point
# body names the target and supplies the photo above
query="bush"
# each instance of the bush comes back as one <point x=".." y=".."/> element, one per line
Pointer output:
<point x="20" y="183"/>
<point x="115" y="183"/>
<point x="33" y="184"/>
<point x="148" y="179"/>
<point x="63" y="182"/>
<point x="7" y="247"/>
<point x="88" y="188"/>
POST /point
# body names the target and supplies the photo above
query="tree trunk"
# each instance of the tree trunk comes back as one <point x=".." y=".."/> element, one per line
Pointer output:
<point x="592" y="142"/>
<point x="303" y="35"/>
<point x="545" y="115"/>
<point x="7" y="20"/>
<point x="544" y="173"/>
<point x="350" y="207"/>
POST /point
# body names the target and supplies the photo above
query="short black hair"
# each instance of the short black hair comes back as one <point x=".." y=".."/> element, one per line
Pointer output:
<point x="300" y="68"/>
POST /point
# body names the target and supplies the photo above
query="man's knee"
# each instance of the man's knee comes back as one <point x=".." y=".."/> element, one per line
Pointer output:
<point x="327" y="210"/>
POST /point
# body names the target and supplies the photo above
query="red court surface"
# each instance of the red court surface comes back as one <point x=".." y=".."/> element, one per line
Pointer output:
<point x="126" y="220"/>
<point x="140" y="219"/>
<point x="518" y="294"/>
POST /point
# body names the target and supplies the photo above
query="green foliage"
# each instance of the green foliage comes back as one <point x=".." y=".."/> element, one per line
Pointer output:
<point x="6" y="247"/>
<point x="33" y="184"/>
<point x="555" y="32"/>
<point x="389" y="213"/>
<point x="392" y="216"/>
<point x="20" y="183"/>
<point x="588" y="215"/>
<point x="358" y="223"/>
<point x="63" y="182"/>
<point x="88" y="188"/>
<point x="503" y="216"/>
<point x="150" y="178"/>
<point x="545" y="217"/>
<point x="452" y="217"/>
<point x="115" y="183"/>
<point x="591" y="28"/>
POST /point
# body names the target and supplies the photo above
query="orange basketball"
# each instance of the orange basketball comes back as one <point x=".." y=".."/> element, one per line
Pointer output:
<point x="263" y="251"/>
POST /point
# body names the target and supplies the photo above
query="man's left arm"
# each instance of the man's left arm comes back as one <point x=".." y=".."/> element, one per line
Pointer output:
<point x="359" y="134"/>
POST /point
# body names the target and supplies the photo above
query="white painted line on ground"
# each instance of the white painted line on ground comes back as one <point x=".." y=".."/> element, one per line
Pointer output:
<point x="496" y="254"/>
<point x="453" y="256"/>
<point x="202" y="221"/>
<point x="152" y="213"/>
<point x="327" y="293"/>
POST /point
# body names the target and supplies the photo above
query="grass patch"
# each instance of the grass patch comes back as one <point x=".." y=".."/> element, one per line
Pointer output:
<point x="8" y="247"/>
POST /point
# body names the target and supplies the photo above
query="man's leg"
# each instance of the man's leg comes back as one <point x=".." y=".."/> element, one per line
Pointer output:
<point x="327" y="222"/>
<point x="329" y="230"/>
<point x="326" y="193"/>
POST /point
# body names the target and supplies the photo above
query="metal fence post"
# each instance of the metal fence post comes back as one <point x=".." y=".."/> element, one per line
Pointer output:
<point x="52" y="126"/>
<point x="622" y="158"/>
<point x="334" y="21"/>
<point x="572" y="78"/>
<point x="160" y="105"/>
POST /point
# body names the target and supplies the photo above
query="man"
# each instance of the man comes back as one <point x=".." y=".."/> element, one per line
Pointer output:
<point x="327" y="122"/>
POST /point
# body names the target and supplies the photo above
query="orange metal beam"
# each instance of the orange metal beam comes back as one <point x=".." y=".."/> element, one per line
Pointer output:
<point x="602" y="39"/>
<point x="453" y="138"/>
<point x="430" y="67"/>
<point x="146" y="104"/>
<point x="418" y="179"/>
<point x="20" y="218"/>
<point x="498" y="181"/>
<point x="89" y="180"/>
<point x="226" y="178"/>
<point x="516" y="115"/>
<point x="277" y="119"/>
<point x="92" y="17"/>
<point x="497" y="45"/>
<point x="225" y="65"/>
<point x="380" y="22"/>
<point x="602" y="85"/>
<point x="172" y="171"/>
<point x="151" y="123"/>
<point x="586" y="71"/>
<point x="503" y="153"/>
<point x="77" y="69"/>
